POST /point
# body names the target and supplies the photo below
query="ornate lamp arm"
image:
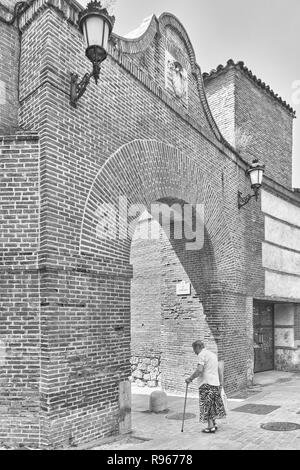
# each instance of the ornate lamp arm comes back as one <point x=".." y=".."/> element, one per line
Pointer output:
<point x="78" y="88"/>
<point x="242" y="201"/>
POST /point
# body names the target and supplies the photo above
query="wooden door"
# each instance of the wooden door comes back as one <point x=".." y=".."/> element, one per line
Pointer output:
<point x="263" y="327"/>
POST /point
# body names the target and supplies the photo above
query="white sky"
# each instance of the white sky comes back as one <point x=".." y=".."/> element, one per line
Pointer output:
<point x="265" y="34"/>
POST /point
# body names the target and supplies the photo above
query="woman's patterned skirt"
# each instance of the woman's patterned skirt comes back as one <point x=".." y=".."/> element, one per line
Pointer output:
<point x="210" y="403"/>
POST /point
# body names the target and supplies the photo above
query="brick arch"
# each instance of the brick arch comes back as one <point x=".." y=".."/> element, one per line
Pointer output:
<point x="146" y="171"/>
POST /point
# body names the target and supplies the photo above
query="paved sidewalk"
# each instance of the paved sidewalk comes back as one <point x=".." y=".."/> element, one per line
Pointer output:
<point x="240" y="430"/>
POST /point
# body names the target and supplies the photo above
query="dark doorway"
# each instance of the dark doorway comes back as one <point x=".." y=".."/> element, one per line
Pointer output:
<point x="263" y="328"/>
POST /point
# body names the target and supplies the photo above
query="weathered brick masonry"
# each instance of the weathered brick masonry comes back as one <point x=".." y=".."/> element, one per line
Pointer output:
<point x="19" y="283"/>
<point x="65" y="317"/>
<point x="255" y="123"/>
<point x="9" y="59"/>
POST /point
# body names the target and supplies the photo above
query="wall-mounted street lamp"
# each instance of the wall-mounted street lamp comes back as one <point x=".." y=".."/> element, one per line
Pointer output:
<point x="96" y="25"/>
<point x="256" y="174"/>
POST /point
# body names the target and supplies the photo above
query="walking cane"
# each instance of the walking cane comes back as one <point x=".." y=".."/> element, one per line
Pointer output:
<point x="186" y="390"/>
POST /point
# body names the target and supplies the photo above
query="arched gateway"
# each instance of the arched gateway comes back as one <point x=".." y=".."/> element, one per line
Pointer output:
<point x="141" y="173"/>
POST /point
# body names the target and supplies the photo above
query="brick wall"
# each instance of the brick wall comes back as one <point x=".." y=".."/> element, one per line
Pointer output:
<point x="253" y="120"/>
<point x="145" y="294"/>
<point x="220" y="93"/>
<point x="297" y="324"/>
<point x="9" y="60"/>
<point x="164" y="324"/>
<point x="145" y="305"/>
<point x="19" y="287"/>
<point x="186" y="318"/>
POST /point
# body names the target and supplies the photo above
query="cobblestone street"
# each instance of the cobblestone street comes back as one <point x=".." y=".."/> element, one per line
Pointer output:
<point x="240" y="430"/>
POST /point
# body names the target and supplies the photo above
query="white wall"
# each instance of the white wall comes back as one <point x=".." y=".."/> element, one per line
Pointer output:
<point x="281" y="249"/>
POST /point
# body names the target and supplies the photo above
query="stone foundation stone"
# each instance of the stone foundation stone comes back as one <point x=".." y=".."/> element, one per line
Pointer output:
<point x="145" y="371"/>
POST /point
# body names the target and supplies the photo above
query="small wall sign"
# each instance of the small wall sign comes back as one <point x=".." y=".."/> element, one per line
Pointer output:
<point x="183" y="288"/>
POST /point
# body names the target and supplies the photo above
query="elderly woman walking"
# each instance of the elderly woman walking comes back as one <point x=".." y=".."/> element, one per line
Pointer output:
<point x="210" y="383"/>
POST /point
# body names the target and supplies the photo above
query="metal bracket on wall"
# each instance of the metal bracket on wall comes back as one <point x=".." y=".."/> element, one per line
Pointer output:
<point x="77" y="88"/>
<point x="242" y="201"/>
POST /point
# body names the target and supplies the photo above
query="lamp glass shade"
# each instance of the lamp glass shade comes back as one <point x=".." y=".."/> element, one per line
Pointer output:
<point x="260" y="176"/>
<point x="256" y="173"/>
<point x="96" y="31"/>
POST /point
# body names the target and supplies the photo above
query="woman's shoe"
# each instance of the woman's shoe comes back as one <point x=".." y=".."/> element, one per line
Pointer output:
<point x="209" y="430"/>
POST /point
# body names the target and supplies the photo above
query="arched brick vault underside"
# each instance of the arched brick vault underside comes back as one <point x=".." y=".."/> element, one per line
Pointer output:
<point x="145" y="171"/>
